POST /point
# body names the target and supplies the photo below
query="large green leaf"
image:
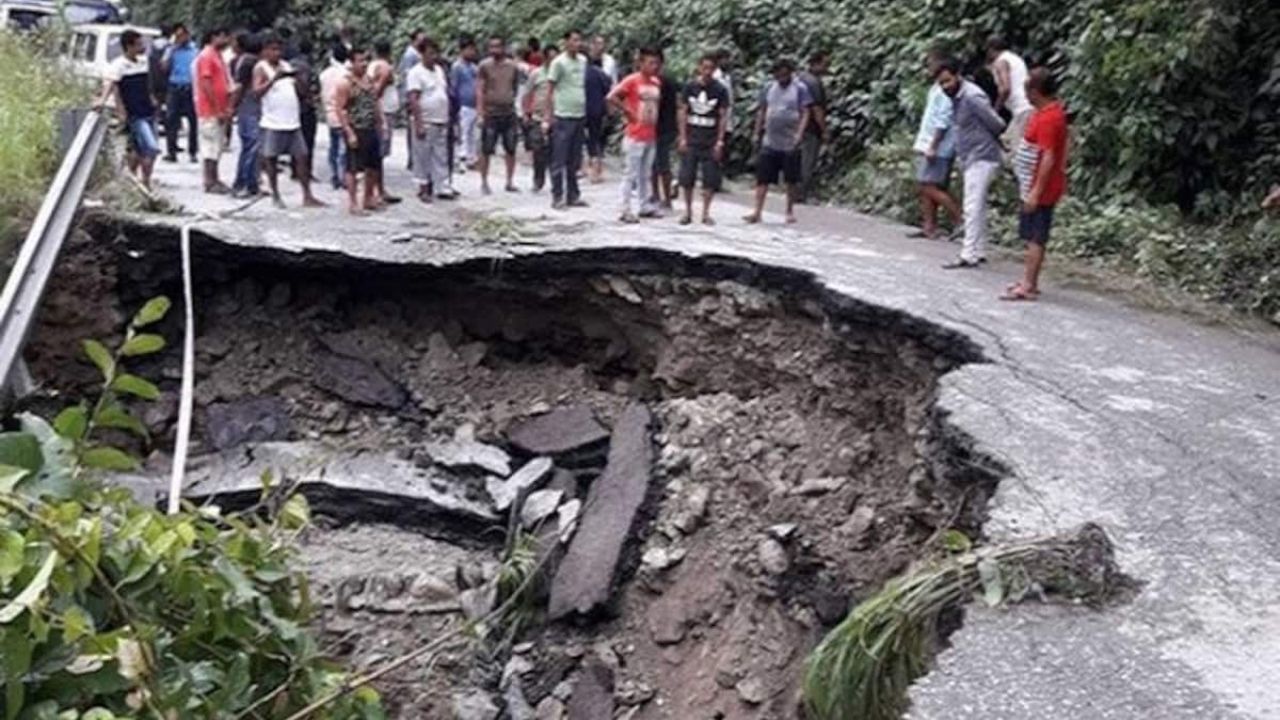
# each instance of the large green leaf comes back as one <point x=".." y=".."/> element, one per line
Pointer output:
<point x="152" y="312"/>
<point x="31" y="593"/>
<point x="21" y="449"/>
<point x="136" y="386"/>
<point x="101" y="357"/>
<point x="108" y="458"/>
<point x="112" y="415"/>
<point x="142" y="344"/>
<point x="72" y="422"/>
<point x="13" y="551"/>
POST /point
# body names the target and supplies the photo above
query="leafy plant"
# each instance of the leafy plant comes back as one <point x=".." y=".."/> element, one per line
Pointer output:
<point x="111" y="609"/>
<point x="861" y="670"/>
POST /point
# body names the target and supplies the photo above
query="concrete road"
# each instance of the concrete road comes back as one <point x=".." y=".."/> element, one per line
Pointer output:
<point x="1165" y="432"/>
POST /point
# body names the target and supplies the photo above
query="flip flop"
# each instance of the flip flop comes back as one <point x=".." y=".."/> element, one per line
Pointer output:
<point x="1018" y="294"/>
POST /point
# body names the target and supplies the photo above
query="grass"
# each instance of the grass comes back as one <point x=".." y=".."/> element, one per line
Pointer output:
<point x="862" y="669"/>
<point x="32" y="89"/>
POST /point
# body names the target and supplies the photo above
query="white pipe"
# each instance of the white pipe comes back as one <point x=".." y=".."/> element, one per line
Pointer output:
<point x="186" y="399"/>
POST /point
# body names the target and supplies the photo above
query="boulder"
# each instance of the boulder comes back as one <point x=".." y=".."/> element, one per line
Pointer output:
<point x="357" y="381"/>
<point x="559" y="431"/>
<point x="539" y="506"/>
<point x="584" y="581"/>
<point x="529" y="476"/>
<point x="258" y="419"/>
<point x="592" y="693"/>
<point x="463" y="454"/>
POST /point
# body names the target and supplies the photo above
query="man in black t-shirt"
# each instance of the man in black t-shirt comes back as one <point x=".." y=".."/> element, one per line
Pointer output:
<point x="668" y="133"/>
<point x="703" y="119"/>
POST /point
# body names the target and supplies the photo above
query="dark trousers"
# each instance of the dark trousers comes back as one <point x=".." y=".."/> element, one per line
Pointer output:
<point x="309" y="124"/>
<point x="537" y="143"/>
<point x="566" y="157"/>
<point x="181" y="105"/>
<point x="337" y="157"/>
<point x="810" y="147"/>
<point x="247" y="163"/>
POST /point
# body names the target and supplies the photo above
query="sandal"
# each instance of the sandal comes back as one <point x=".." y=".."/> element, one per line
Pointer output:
<point x="1018" y="293"/>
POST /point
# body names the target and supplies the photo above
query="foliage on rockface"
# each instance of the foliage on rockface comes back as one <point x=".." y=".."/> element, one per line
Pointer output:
<point x="110" y="609"/>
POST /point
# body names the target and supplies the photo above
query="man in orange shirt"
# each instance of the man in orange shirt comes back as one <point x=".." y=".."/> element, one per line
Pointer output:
<point x="637" y="98"/>
<point x="213" y="106"/>
<point x="1041" y="168"/>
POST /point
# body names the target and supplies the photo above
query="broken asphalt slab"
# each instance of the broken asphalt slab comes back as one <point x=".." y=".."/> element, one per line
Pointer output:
<point x="583" y="582"/>
<point x="1164" y="431"/>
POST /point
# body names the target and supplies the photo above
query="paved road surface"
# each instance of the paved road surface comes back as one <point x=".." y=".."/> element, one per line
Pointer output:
<point x="1164" y="431"/>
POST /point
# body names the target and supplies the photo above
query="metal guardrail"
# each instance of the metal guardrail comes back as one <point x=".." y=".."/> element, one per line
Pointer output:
<point x="30" y="275"/>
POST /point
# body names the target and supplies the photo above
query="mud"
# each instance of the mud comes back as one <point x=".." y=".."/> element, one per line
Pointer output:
<point x="799" y="461"/>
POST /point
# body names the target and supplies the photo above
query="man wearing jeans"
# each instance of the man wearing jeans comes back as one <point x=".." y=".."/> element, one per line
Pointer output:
<point x="978" y="130"/>
<point x="566" y="93"/>
<point x="636" y="98"/>
<point x="178" y="63"/>
<point x="248" y="109"/>
<point x="330" y="79"/>
<point x="462" y="79"/>
<point x="128" y="85"/>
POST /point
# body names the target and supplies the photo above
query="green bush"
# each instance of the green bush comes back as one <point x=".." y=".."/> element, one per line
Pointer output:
<point x="32" y="91"/>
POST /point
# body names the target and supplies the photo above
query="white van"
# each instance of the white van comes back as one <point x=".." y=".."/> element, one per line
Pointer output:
<point x="30" y="15"/>
<point x="91" y="48"/>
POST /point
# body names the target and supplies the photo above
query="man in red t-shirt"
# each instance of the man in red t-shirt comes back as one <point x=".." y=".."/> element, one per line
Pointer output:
<point x="636" y="99"/>
<point x="213" y="106"/>
<point x="1041" y="167"/>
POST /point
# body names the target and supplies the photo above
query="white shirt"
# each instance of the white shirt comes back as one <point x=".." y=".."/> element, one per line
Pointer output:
<point x="281" y="109"/>
<point x="433" y="89"/>
<point x="1017" y="102"/>
<point x="610" y="67"/>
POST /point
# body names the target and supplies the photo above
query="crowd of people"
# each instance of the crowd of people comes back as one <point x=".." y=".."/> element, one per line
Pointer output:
<point x="564" y="101"/>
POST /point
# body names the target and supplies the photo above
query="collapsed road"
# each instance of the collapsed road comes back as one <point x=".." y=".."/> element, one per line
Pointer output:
<point x="804" y="410"/>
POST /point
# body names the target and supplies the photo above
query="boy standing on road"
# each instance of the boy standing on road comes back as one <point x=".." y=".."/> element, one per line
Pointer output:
<point x="497" y="80"/>
<point x="935" y="149"/>
<point x="178" y="60"/>
<point x="428" y="89"/>
<point x="462" y="78"/>
<point x="360" y="110"/>
<point x="978" y="130"/>
<point x="668" y="132"/>
<point x="334" y="75"/>
<point x="566" y="94"/>
<point x="1041" y="167"/>
<point x="213" y="107"/>
<point x="275" y="83"/>
<point x="537" y="111"/>
<point x="704" y="108"/>
<point x="129" y="86"/>
<point x="780" y="123"/>
<point x="636" y="98"/>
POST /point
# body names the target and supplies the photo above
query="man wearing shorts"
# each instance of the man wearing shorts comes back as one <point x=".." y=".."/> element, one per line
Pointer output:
<point x="359" y="105"/>
<point x="213" y="107"/>
<point x="704" y="107"/>
<point x="129" y="89"/>
<point x="497" y="80"/>
<point x="780" y="121"/>
<point x="935" y="149"/>
<point x="275" y="82"/>
<point x="1041" y="167"/>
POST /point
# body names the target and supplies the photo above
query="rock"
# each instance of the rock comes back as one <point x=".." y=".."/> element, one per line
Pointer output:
<point x="539" y="506"/>
<point x="372" y="344"/>
<point x="773" y="557"/>
<point x="357" y="381"/>
<point x="472" y="354"/>
<point x="694" y="509"/>
<point x="550" y="709"/>
<point x="516" y="668"/>
<point x="257" y="419"/>
<point x="480" y="601"/>
<point x="440" y="355"/>
<point x="667" y="621"/>
<point x="567" y="519"/>
<point x="859" y="524"/>
<point x="660" y="558"/>
<point x="529" y="476"/>
<point x="279" y="296"/>
<point x="215" y="346"/>
<point x="782" y="532"/>
<point x="559" y="431"/>
<point x="819" y="486"/>
<point x="624" y="289"/>
<point x="431" y="589"/>
<point x="584" y="581"/>
<point x="518" y="708"/>
<point x="565" y="482"/>
<point x="474" y="705"/>
<point x="592" y="693"/>
<point x="469" y="454"/>
<point x="752" y="690"/>
<point x="632" y="692"/>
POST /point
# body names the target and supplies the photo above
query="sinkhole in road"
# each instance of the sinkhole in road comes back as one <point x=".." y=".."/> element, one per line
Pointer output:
<point x="716" y="458"/>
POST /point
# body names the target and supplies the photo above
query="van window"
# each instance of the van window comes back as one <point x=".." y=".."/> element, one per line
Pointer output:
<point x="23" y="19"/>
<point x="83" y="13"/>
<point x="85" y="47"/>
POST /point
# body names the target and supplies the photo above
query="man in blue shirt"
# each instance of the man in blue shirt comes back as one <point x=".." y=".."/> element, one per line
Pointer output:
<point x="178" y="61"/>
<point x="462" y="80"/>
<point x="935" y="149"/>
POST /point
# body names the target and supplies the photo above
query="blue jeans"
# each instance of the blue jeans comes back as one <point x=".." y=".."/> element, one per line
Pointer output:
<point x="247" y="164"/>
<point x="142" y="134"/>
<point x="337" y="157"/>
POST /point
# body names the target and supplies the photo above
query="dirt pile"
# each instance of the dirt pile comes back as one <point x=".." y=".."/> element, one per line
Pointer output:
<point x="795" y="463"/>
